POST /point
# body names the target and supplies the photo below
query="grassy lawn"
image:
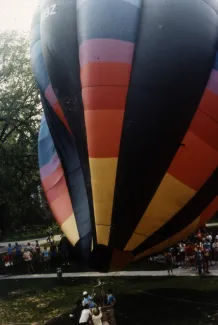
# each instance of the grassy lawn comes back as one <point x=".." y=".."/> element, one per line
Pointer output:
<point x="155" y="301"/>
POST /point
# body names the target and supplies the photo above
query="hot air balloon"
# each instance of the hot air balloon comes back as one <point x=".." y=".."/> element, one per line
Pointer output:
<point x="132" y="104"/>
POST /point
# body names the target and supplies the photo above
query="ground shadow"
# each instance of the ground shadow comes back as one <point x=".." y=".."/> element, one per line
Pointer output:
<point x="161" y="306"/>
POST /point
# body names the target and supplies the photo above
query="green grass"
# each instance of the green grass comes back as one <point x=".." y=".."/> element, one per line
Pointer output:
<point x="155" y="301"/>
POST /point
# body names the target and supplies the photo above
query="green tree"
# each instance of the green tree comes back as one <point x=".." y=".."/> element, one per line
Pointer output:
<point x="20" y="113"/>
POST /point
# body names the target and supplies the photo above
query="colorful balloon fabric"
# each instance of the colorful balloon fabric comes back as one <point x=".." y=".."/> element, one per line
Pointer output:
<point x="129" y="154"/>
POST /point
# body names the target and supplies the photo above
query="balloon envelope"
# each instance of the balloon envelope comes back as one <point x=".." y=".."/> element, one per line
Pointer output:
<point x="136" y="84"/>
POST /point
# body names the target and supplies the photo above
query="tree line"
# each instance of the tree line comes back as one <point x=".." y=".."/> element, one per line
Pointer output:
<point x="21" y="196"/>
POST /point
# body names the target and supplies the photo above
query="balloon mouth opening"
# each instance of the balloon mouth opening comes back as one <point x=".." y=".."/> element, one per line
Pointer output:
<point x="100" y="258"/>
<point x="105" y="259"/>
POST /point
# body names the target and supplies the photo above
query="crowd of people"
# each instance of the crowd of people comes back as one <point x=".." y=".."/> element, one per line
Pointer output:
<point x="198" y="252"/>
<point x="86" y="311"/>
<point x="33" y="255"/>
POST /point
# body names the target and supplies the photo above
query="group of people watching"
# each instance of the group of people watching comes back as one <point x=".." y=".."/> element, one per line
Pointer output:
<point x="198" y="253"/>
<point x="87" y="312"/>
<point x="31" y="255"/>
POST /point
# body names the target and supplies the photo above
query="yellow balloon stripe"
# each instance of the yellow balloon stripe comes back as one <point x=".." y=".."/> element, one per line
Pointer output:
<point x="172" y="240"/>
<point x="170" y="197"/>
<point x="103" y="175"/>
<point x="69" y="228"/>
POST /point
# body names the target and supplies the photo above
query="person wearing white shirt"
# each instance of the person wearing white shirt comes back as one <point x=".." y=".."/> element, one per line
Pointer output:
<point x="85" y="315"/>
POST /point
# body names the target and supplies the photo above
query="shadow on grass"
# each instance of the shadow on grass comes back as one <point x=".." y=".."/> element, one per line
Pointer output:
<point x="161" y="306"/>
<point x="155" y="301"/>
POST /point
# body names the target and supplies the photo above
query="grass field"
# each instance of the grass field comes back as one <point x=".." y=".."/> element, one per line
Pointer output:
<point x="155" y="301"/>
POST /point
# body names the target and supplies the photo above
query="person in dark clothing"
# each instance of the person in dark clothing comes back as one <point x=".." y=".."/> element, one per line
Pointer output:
<point x="199" y="260"/>
<point x="53" y="254"/>
<point x="206" y="255"/>
<point x="169" y="262"/>
<point x="63" y="249"/>
<point x="76" y="311"/>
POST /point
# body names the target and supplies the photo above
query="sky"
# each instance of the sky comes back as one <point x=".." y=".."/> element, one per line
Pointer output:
<point x="16" y="14"/>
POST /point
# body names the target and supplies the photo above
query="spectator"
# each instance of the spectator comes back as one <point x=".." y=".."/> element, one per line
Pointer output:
<point x="18" y="253"/>
<point x="182" y="254"/>
<point x="206" y="255"/>
<point x="37" y="248"/>
<point x="215" y="250"/>
<point x="28" y="256"/>
<point x="10" y="252"/>
<point x="63" y="249"/>
<point x="46" y="258"/>
<point x="7" y="264"/>
<point x="169" y="262"/>
<point x="209" y="237"/>
<point x="50" y="234"/>
<point x="29" y="247"/>
<point x="53" y="254"/>
<point x="199" y="260"/>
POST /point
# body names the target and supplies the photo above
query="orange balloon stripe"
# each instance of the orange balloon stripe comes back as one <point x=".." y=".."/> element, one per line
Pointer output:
<point x="209" y="212"/>
<point x="53" y="101"/>
<point x="104" y="91"/>
<point x="209" y="104"/>
<point x="205" y="128"/>
<point x="96" y="74"/>
<point x="60" y="114"/>
<point x="194" y="162"/>
<point x="103" y="129"/>
<point x="104" y="98"/>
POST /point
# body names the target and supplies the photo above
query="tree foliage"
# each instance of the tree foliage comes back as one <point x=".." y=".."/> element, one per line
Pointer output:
<point x="20" y="113"/>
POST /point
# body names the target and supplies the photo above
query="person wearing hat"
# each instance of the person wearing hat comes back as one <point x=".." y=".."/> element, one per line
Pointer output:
<point x="88" y="300"/>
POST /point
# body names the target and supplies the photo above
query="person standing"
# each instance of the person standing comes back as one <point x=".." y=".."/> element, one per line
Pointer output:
<point x="53" y="254"/>
<point x="207" y="254"/>
<point x="46" y="258"/>
<point x="29" y="247"/>
<point x="28" y="256"/>
<point x="37" y="248"/>
<point x="169" y="262"/>
<point x="88" y="300"/>
<point x="10" y="253"/>
<point x="18" y="253"/>
<point x="63" y="249"/>
<point x="7" y="263"/>
<point x="199" y="260"/>
<point x="215" y="250"/>
<point x="110" y="298"/>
